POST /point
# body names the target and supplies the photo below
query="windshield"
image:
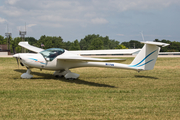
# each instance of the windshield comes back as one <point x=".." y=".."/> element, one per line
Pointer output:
<point x="52" y="53"/>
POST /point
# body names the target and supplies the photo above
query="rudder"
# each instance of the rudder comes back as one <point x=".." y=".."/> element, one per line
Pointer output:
<point x="146" y="58"/>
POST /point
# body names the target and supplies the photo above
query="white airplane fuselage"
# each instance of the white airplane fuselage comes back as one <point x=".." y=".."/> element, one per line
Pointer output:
<point x="60" y="60"/>
<point x="33" y="60"/>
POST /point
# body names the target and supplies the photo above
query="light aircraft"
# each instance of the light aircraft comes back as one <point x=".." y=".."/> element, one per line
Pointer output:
<point x="61" y="60"/>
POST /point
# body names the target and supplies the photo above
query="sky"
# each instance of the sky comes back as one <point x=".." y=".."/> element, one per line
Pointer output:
<point x="121" y="20"/>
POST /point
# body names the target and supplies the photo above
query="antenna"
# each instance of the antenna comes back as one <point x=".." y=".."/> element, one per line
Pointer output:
<point x="7" y="28"/>
<point x="8" y="35"/>
<point x="25" y="26"/>
<point x="142" y="35"/>
<point x="22" y="34"/>
<point x="10" y="30"/>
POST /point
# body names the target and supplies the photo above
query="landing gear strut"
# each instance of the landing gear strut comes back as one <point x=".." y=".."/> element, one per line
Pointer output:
<point x="27" y="75"/>
<point x="67" y="74"/>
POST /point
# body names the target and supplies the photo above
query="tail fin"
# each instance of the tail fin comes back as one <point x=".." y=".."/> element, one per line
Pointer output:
<point x="146" y="58"/>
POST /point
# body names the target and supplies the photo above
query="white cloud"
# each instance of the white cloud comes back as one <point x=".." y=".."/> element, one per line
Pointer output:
<point x="11" y="2"/>
<point x="79" y="15"/>
<point x="90" y="15"/>
<point x="10" y="11"/>
<point x="99" y="21"/>
<point x="58" y="4"/>
<point x="124" y="5"/>
<point x="31" y="25"/>
<point x="120" y="34"/>
<point x="2" y="20"/>
<point x="23" y="28"/>
<point x="74" y="11"/>
<point x="52" y="25"/>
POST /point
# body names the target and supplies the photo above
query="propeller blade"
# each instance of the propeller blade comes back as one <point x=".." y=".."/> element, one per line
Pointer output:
<point x="17" y="62"/>
<point x="17" y="56"/>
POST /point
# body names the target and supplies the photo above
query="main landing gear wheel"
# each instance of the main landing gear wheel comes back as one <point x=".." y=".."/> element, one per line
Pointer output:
<point x="67" y="74"/>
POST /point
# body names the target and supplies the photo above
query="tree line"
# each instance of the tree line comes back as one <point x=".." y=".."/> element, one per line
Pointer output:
<point x="89" y="42"/>
<point x="173" y="47"/>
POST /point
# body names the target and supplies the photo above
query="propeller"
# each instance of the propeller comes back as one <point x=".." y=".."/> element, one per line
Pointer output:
<point x="17" y="62"/>
<point x="17" y="59"/>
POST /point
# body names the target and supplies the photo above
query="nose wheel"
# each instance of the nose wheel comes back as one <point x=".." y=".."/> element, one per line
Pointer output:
<point x="27" y="75"/>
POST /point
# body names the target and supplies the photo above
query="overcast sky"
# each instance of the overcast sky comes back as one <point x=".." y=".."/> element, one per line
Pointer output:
<point x="122" y="20"/>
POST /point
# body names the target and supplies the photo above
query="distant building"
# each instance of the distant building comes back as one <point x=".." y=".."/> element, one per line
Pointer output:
<point x="3" y="47"/>
<point x="4" y="50"/>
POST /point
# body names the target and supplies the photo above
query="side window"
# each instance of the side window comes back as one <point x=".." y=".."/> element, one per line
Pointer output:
<point x="52" y="53"/>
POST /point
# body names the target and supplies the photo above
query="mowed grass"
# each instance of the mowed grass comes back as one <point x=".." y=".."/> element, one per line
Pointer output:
<point x="99" y="93"/>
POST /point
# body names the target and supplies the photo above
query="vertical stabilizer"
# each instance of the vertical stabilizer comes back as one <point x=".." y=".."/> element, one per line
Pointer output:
<point x="146" y="58"/>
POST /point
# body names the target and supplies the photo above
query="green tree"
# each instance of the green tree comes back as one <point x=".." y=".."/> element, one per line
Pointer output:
<point x="113" y="44"/>
<point x="3" y="40"/>
<point x="132" y="44"/>
<point x="135" y="44"/>
<point x="85" y="43"/>
<point x="126" y="44"/>
<point x="106" y="42"/>
<point x="50" y="42"/>
<point x="156" y="40"/>
<point x="67" y="45"/>
<point x="121" y="46"/>
<point x="14" y="44"/>
<point x="96" y="44"/>
<point x="31" y="40"/>
<point x="75" y="45"/>
<point x="173" y="47"/>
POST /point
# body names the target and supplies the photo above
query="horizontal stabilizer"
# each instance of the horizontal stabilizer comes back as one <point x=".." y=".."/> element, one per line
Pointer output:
<point x="156" y="43"/>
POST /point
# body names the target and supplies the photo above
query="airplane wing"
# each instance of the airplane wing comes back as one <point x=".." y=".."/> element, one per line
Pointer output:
<point x="106" y="52"/>
<point x="30" y="47"/>
<point x="68" y="56"/>
<point x="85" y="52"/>
<point x="91" y="59"/>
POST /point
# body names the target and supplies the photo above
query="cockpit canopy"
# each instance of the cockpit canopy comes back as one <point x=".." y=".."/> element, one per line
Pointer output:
<point x="50" y="54"/>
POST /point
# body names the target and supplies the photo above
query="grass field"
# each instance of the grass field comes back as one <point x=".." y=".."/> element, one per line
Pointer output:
<point x="99" y="93"/>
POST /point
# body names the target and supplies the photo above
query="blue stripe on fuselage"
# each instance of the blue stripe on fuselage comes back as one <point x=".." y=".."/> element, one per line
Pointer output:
<point x="138" y="64"/>
<point x="37" y="60"/>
